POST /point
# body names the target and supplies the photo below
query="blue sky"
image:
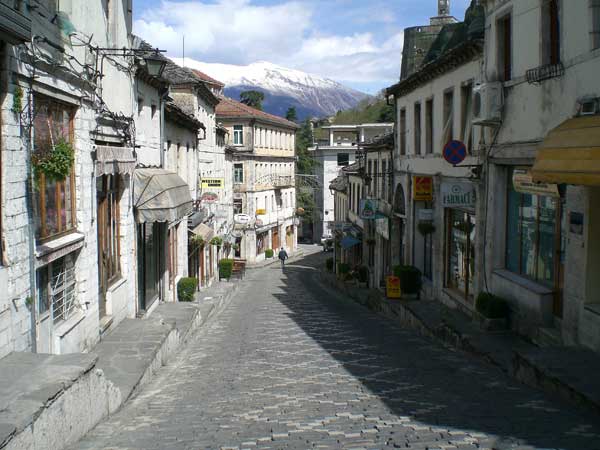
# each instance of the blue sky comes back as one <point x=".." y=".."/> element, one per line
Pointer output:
<point x="355" y="42"/>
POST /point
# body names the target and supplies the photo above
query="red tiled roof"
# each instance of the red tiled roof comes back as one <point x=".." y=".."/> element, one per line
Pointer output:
<point x="231" y="108"/>
<point x="206" y="78"/>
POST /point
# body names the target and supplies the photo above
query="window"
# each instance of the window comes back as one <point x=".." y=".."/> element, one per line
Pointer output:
<point x="343" y="159"/>
<point x="109" y="252"/>
<point x="54" y="200"/>
<point x="550" y="33"/>
<point x="504" y="26"/>
<point x="532" y="234"/>
<point x="375" y="178"/>
<point x="238" y="135"/>
<point x="417" y="119"/>
<point x="56" y="289"/>
<point x="466" y="117"/>
<point x="429" y="126"/>
<point x="403" y="131"/>
<point x="448" y="131"/>
<point x="238" y="173"/>
<point x="237" y="206"/>
<point x="595" y="16"/>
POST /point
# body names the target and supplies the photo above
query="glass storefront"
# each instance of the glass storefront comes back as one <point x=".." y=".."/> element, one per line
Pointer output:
<point x="149" y="263"/>
<point x="461" y="252"/>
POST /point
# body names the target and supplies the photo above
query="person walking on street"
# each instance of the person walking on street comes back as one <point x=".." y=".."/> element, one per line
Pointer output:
<point x="282" y="257"/>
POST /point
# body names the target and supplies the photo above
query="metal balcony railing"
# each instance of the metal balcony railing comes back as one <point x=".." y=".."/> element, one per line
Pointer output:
<point x="541" y="73"/>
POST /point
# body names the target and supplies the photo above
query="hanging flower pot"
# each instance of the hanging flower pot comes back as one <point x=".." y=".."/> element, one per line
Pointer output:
<point x="426" y="228"/>
<point x="198" y="241"/>
<point x="217" y="240"/>
<point x="56" y="162"/>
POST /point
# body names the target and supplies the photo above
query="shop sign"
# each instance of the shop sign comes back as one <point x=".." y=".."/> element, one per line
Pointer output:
<point x="342" y="226"/>
<point x="382" y="227"/>
<point x="209" y="197"/>
<point x="392" y="287"/>
<point x="261" y="212"/>
<point x="458" y="194"/>
<point x="425" y="215"/>
<point x="212" y="183"/>
<point x="523" y="183"/>
<point x="368" y="209"/>
<point x="242" y="219"/>
<point x="423" y="189"/>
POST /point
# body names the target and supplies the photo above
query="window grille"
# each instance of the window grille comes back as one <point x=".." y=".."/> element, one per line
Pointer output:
<point x="60" y="291"/>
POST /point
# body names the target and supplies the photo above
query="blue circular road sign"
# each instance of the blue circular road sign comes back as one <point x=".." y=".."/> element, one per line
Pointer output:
<point x="455" y="152"/>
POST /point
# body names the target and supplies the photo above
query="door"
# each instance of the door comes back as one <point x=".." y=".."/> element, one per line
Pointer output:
<point x="460" y="264"/>
<point x="149" y="264"/>
<point x="559" y="265"/>
<point x="276" y="238"/>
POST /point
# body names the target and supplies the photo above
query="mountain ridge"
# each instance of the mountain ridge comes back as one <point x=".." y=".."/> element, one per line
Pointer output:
<point x="310" y="94"/>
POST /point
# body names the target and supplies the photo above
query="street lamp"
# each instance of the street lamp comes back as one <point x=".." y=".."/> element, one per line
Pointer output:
<point x="155" y="64"/>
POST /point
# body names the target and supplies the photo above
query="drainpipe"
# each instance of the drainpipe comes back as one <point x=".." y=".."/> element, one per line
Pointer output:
<point x="31" y="230"/>
<point x="163" y="94"/>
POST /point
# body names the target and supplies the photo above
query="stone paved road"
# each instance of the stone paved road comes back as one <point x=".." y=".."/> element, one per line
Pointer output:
<point x="289" y="365"/>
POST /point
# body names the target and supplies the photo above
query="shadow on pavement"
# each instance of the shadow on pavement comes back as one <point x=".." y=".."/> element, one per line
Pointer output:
<point x="417" y="377"/>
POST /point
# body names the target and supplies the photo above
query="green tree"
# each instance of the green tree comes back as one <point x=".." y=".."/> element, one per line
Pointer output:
<point x="305" y="164"/>
<point x="252" y="98"/>
<point x="291" y="114"/>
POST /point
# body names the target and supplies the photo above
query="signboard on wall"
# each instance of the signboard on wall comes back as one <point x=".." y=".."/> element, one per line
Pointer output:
<point x="242" y="219"/>
<point x="209" y="197"/>
<point x="523" y="183"/>
<point x="382" y="227"/>
<point x="261" y="212"/>
<point x="392" y="287"/>
<point x="423" y="189"/>
<point x="368" y="209"/>
<point x="212" y="183"/>
<point x="458" y="194"/>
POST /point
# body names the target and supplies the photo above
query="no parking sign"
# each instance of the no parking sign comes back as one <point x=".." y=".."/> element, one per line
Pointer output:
<point x="455" y="152"/>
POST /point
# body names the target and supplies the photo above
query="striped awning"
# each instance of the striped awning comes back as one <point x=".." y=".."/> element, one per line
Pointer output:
<point x="570" y="154"/>
<point x="114" y="160"/>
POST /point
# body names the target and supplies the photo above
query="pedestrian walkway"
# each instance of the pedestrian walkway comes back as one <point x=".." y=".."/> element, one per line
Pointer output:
<point x="51" y="401"/>
<point x="298" y="254"/>
<point x="563" y="371"/>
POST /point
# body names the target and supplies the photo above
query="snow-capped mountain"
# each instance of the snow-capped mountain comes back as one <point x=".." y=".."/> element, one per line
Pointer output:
<point x="310" y="94"/>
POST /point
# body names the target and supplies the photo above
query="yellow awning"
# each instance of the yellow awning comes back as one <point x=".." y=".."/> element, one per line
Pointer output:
<point x="570" y="154"/>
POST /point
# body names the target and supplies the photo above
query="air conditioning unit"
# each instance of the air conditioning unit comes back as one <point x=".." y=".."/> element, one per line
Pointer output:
<point x="488" y="101"/>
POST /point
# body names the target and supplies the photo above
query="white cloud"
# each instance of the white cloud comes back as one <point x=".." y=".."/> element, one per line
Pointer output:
<point x="239" y="32"/>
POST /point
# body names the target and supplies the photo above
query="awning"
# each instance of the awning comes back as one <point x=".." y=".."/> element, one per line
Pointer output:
<point x="112" y="160"/>
<point x="570" y="154"/>
<point x="349" y="241"/>
<point x="204" y="231"/>
<point x="160" y="196"/>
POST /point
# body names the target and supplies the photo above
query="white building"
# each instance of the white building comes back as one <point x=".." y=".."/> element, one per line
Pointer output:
<point x="262" y="148"/>
<point x="337" y="151"/>
<point x="542" y="245"/>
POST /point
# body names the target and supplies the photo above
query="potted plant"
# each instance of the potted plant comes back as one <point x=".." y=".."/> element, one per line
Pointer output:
<point x="56" y="162"/>
<point x="269" y="253"/>
<point x="198" y="241"/>
<point x="410" y="280"/>
<point x="217" y="240"/>
<point x="225" y="268"/>
<point x="493" y="312"/>
<point x="186" y="289"/>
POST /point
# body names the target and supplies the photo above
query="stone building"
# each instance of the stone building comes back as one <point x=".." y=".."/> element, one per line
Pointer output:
<point x="262" y="148"/>
<point x="438" y="231"/>
<point x="68" y="275"/>
<point x="336" y="150"/>
<point x="542" y="247"/>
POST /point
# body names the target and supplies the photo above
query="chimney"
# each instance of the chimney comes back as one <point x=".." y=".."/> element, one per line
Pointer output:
<point x="443" y="8"/>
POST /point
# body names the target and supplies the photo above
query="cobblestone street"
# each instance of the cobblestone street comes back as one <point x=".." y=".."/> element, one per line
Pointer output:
<point x="290" y="365"/>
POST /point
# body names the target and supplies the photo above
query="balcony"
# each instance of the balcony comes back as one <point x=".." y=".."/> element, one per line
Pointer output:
<point x="278" y="181"/>
<point x="541" y="73"/>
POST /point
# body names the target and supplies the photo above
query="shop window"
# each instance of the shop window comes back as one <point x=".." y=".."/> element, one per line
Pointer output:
<point x="343" y="159"/>
<point x="533" y="235"/>
<point x="460" y="265"/>
<point x="54" y="200"/>
<point x="238" y="135"/>
<point x="550" y="32"/>
<point x="417" y="132"/>
<point x="238" y="173"/>
<point x="149" y="261"/>
<point x="595" y="16"/>
<point x="504" y="37"/>
<point x="108" y="194"/>
<point x="56" y="291"/>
